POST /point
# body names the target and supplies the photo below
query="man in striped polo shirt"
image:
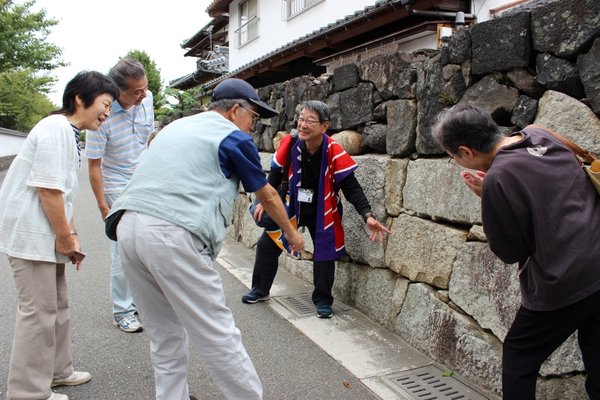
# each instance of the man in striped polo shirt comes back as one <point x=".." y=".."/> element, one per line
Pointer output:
<point x="113" y="153"/>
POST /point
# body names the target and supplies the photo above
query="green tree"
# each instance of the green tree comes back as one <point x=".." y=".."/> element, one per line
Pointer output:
<point x="23" y="37"/>
<point x="22" y="104"/>
<point x="182" y="102"/>
<point x="153" y="74"/>
<point x="26" y="58"/>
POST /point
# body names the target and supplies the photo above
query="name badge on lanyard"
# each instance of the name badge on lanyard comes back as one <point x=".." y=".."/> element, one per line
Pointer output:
<point x="305" y="195"/>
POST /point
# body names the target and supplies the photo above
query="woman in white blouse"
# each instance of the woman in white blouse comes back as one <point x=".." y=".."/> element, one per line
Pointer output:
<point x="38" y="236"/>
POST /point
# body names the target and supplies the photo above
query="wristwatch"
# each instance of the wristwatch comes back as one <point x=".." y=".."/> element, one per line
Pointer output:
<point x="370" y="214"/>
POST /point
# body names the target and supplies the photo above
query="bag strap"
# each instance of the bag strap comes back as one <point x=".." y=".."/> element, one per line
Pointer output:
<point x="574" y="147"/>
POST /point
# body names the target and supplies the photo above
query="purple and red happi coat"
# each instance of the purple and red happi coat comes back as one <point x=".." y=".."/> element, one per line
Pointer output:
<point x="336" y="164"/>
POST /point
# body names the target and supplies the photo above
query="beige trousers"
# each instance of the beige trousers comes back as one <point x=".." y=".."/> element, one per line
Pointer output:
<point x="41" y="348"/>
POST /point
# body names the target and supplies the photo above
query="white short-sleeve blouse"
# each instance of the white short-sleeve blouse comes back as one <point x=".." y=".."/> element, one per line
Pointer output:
<point x="49" y="159"/>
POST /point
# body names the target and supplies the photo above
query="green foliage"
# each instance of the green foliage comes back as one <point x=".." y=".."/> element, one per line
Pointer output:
<point x="447" y="99"/>
<point x="26" y="57"/>
<point x="22" y="103"/>
<point x="152" y="72"/>
<point x="23" y="38"/>
<point x="184" y="101"/>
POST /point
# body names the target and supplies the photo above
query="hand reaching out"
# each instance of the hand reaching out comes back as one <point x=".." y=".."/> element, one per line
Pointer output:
<point x="377" y="229"/>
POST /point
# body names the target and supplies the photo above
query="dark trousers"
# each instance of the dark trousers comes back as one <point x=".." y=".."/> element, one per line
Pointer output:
<point x="266" y="264"/>
<point x="533" y="337"/>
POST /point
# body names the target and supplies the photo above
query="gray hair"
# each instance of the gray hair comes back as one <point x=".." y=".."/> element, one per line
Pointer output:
<point x="319" y="107"/>
<point x="466" y="125"/>
<point x="126" y="68"/>
<point x="226" y="104"/>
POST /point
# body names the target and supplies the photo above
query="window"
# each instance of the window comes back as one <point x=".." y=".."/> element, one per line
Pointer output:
<point x="248" y="22"/>
<point x="292" y="8"/>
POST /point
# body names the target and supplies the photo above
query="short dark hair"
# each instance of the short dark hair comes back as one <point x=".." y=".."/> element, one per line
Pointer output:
<point x="88" y="85"/>
<point x="466" y="125"/>
<point x="127" y="67"/>
<point x="319" y="107"/>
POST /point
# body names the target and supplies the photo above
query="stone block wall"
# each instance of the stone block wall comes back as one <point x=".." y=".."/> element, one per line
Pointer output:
<point x="434" y="281"/>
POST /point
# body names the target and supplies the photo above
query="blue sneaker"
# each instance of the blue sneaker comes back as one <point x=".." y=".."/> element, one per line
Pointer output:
<point x="324" y="311"/>
<point x="254" y="297"/>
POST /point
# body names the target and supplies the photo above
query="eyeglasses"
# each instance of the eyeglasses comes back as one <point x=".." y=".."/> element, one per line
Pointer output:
<point x="255" y="115"/>
<point x="451" y="160"/>
<point x="308" y="121"/>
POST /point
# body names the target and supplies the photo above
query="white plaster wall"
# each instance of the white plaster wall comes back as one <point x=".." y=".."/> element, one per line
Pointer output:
<point x="274" y="33"/>
<point x="10" y="145"/>
<point x="481" y="8"/>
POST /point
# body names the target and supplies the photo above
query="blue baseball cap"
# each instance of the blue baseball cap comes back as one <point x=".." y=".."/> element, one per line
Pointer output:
<point x="234" y="88"/>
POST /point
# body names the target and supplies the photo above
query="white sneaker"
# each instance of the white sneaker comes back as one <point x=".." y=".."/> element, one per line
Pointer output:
<point x="57" y="396"/>
<point x="129" y="324"/>
<point x="76" y="378"/>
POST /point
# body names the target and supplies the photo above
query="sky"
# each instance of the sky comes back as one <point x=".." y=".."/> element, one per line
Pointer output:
<point x="93" y="34"/>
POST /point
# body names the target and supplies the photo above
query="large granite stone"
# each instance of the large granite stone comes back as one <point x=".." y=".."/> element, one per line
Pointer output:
<point x="559" y="74"/>
<point x="485" y="288"/>
<point x="374" y="137"/>
<point x="454" y="86"/>
<point x="428" y="90"/>
<point x="589" y="72"/>
<point x="345" y="77"/>
<point x="570" y="117"/>
<point x="351" y="141"/>
<point x="524" y="112"/>
<point x="377" y="292"/>
<point x="498" y="99"/>
<point x="565" y="28"/>
<point x="525" y="82"/>
<point x="425" y="251"/>
<point x="371" y="174"/>
<point x="501" y="44"/>
<point x="561" y="388"/>
<point x="392" y="74"/>
<point x="356" y="106"/>
<point x="457" y="48"/>
<point x="394" y="183"/>
<point x="401" y="127"/>
<point x="453" y="339"/>
<point x="434" y="189"/>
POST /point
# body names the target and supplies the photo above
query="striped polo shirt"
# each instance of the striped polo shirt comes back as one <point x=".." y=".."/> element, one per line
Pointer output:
<point x="120" y="142"/>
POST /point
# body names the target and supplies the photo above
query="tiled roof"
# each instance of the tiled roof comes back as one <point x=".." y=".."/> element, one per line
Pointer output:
<point x="358" y="15"/>
<point x="218" y="7"/>
<point x="217" y="63"/>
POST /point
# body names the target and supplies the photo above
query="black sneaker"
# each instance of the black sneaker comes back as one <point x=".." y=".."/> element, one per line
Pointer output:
<point x="253" y="297"/>
<point x="324" y="311"/>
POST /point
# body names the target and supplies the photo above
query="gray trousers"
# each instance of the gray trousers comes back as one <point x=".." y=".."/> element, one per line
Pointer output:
<point x="178" y="292"/>
<point x="41" y="348"/>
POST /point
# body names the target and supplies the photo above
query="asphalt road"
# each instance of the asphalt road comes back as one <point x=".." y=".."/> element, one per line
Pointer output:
<point x="290" y="365"/>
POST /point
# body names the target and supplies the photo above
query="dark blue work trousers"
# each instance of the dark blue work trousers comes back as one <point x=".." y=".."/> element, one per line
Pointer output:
<point x="266" y="264"/>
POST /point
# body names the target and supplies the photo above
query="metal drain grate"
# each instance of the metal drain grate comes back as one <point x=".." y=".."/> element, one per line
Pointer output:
<point x="301" y="304"/>
<point x="427" y="383"/>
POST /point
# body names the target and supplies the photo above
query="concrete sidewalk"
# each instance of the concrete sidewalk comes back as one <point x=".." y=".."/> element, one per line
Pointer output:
<point x="381" y="360"/>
